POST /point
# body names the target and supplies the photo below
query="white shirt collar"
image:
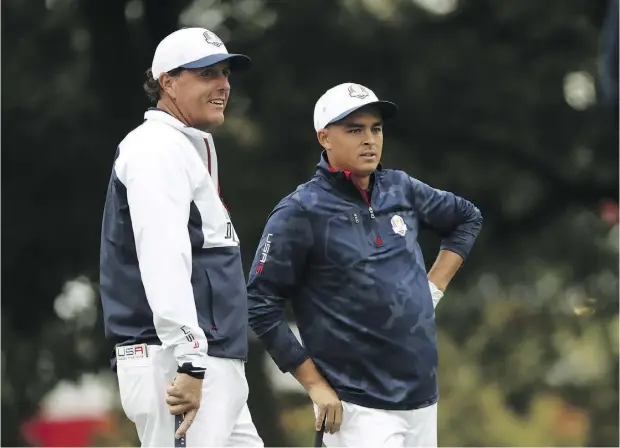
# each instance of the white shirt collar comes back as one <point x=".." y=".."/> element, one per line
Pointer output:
<point x="165" y="117"/>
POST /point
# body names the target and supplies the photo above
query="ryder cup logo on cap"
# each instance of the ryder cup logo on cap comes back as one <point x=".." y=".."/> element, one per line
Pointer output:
<point x="212" y="38"/>
<point x="344" y="99"/>
<point x="194" y="48"/>
<point x="357" y="91"/>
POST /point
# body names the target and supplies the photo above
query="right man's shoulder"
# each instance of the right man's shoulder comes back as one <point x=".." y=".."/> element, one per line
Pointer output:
<point x="299" y="201"/>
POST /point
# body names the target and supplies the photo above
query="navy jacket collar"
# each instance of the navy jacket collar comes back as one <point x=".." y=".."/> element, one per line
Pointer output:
<point x="341" y="180"/>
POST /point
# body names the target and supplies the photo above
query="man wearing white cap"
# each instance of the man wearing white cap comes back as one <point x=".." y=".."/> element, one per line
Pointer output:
<point x="172" y="285"/>
<point x="343" y="248"/>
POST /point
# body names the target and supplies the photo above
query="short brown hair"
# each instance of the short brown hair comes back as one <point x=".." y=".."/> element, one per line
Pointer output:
<point x="151" y="86"/>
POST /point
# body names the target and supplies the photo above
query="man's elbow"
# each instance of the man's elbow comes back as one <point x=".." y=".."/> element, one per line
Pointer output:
<point x="477" y="219"/>
<point x="263" y="316"/>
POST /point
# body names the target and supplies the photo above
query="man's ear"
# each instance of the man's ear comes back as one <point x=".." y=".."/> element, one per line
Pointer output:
<point x="323" y="137"/>
<point x="167" y="84"/>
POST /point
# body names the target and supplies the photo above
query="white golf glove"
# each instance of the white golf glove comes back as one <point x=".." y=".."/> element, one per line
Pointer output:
<point x="436" y="293"/>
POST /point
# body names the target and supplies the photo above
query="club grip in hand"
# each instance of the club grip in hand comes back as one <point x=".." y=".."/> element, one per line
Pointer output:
<point x="318" y="437"/>
<point x="180" y="442"/>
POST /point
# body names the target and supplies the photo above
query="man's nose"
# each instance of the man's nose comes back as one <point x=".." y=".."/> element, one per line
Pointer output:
<point x="223" y="84"/>
<point x="369" y="138"/>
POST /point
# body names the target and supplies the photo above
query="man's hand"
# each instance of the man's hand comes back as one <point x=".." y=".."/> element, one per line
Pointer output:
<point x="322" y="395"/>
<point x="329" y="405"/>
<point x="183" y="397"/>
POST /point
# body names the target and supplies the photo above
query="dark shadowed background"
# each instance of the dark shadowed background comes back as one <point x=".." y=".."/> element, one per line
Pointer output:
<point x="511" y="104"/>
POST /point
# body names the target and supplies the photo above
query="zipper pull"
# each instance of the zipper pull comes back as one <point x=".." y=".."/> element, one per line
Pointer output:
<point x="378" y="240"/>
<point x="357" y="221"/>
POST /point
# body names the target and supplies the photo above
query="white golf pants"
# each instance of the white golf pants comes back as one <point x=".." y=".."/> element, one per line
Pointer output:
<point x="223" y="418"/>
<point x="366" y="427"/>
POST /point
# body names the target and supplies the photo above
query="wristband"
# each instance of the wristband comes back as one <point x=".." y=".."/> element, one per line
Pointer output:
<point x="195" y="372"/>
<point x="436" y="293"/>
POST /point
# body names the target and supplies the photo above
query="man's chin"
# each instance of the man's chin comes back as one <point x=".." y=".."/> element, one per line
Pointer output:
<point x="212" y="121"/>
<point x="366" y="169"/>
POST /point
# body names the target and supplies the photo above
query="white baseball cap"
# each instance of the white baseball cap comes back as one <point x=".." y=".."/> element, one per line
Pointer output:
<point x="344" y="99"/>
<point x="193" y="48"/>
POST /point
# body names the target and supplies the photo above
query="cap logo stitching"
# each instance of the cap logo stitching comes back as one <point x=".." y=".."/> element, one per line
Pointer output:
<point x="212" y="39"/>
<point x="357" y="91"/>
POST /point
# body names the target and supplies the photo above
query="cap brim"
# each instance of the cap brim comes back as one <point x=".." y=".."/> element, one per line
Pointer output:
<point x="237" y="61"/>
<point x="386" y="108"/>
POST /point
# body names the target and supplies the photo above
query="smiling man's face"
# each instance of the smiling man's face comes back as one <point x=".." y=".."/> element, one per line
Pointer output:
<point x="201" y="94"/>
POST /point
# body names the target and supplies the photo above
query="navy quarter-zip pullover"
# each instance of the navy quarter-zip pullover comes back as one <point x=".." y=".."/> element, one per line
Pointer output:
<point x="353" y="271"/>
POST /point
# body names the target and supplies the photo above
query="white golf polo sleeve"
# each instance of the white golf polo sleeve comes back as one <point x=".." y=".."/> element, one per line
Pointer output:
<point x="159" y="193"/>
